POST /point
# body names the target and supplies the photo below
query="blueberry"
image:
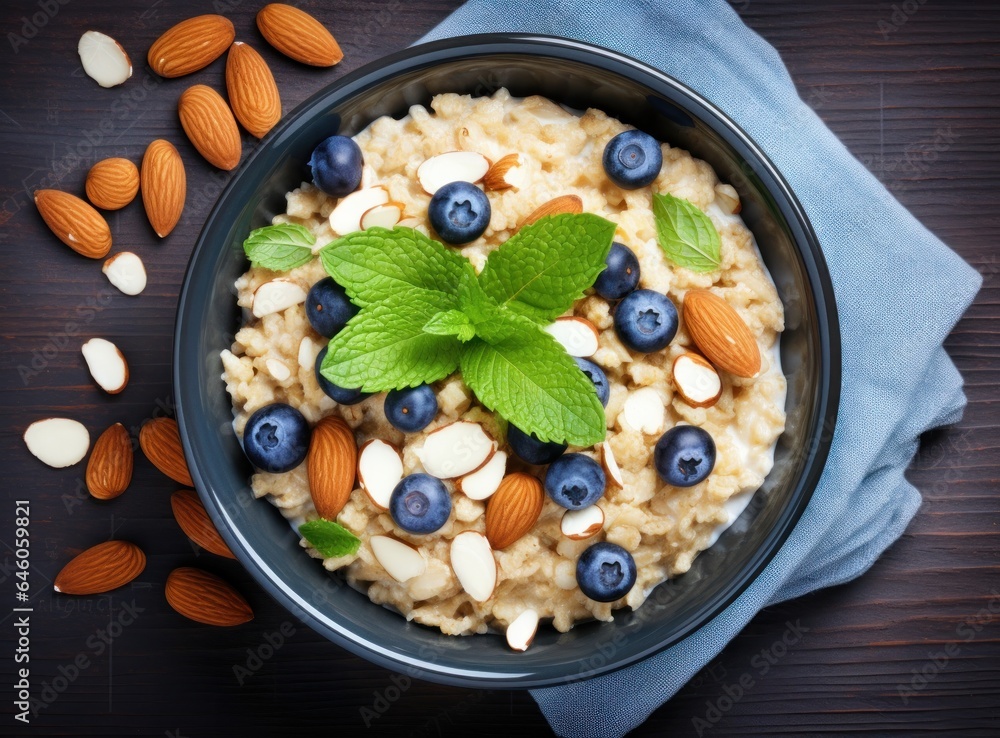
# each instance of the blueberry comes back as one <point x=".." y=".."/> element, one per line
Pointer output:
<point x="575" y="481"/>
<point x="420" y="504"/>
<point x="605" y="572"/>
<point x="336" y="166"/>
<point x="328" y="307"/>
<point x="632" y="159"/>
<point x="276" y="438"/>
<point x="621" y="275"/>
<point x="646" y="321"/>
<point x="342" y="395"/>
<point x="410" y="410"/>
<point x="532" y="450"/>
<point x="459" y="212"/>
<point x="684" y="455"/>
<point x="596" y="375"/>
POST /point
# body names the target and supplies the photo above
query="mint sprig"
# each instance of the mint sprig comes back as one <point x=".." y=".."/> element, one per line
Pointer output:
<point x="330" y="538"/>
<point x="686" y="235"/>
<point x="279" y="247"/>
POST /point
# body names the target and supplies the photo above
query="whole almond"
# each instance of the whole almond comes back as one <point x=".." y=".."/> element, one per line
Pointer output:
<point x="112" y="183"/>
<point x="720" y="333"/>
<point x="161" y="443"/>
<point x="102" y="568"/>
<point x="164" y="186"/>
<point x="495" y="178"/>
<point x="75" y="222"/>
<point x="206" y="598"/>
<point x="109" y="470"/>
<point x="332" y="464"/>
<point x="209" y="124"/>
<point x="298" y="35"/>
<point x="253" y="94"/>
<point x="190" y="45"/>
<point x="513" y="509"/>
<point x="194" y="520"/>
<point x="556" y="206"/>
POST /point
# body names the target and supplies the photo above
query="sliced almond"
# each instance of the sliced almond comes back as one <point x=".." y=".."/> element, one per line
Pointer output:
<point x="473" y="563"/>
<point x="644" y="411"/>
<point x="556" y="206"/>
<point x="401" y="560"/>
<point x="456" y="449"/>
<point x="307" y="353"/>
<point x="107" y="365"/>
<point x="577" y="335"/>
<point x="697" y="382"/>
<point x="583" y="523"/>
<point x="453" y="166"/>
<point x="58" y="442"/>
<point x="126" y="272"/>
<point x="728" y="198"/>
<point x="104" y="60"/>
<point x="382" y="216"/>
<point x="611" y="469"/>
<point x="346" y="216"/>
<point x="380" y="469"/>
<point x="483" y="482"/>
<point x="504" y="174"/>
<point x="277" y="295"/>
<point x="521" y="631"/>
<point x="278" y="369"/>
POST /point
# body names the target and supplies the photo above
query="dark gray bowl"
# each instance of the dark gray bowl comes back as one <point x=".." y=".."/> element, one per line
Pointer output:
<point x="581" y="76"/>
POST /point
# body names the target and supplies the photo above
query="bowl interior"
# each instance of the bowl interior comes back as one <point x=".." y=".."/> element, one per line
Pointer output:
<point x="581" y="77"/>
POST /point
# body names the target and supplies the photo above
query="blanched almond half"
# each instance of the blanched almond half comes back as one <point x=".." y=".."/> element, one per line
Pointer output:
<point x="697" y="382"/>
<point x="521" y="632"/>
<point x="453" y="166"/>
<point x="380" y="468"/>
<point x="611" y="469"/>
<point x="486" y="480"/>
<point x="401" y="560"/>
<point x="58" y="442"/>
<point x="643" y="411"/>
<point x="456" y="449"/>
<point x="728" y="198"/>
<point x="473" y="563"/>
<point x="277" y="295"/>
<point x="278" y="369"/>
<point x="107" y="365"/>
<point x="505" y="173"/>
<point x="382" y="216"/>
<point x="126" y="272"/>
<point x="584" y="523"/>
<point x="577" y="335"/>
<point x="307" y="353"/>
<point x="346" y="217"/>
<point x="104" y="60"/>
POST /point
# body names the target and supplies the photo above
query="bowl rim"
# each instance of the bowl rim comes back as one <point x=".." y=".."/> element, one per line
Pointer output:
<point x="804" y="238"/>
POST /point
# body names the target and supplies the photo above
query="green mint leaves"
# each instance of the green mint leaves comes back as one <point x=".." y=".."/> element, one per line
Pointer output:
<point x="279" y="247"/>
<point x="425" y="314"/>
<point x="329" y="538"/>
<point x="686" y="235"/>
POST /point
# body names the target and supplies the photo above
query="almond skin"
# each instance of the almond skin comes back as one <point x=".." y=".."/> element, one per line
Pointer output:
<point x="112" y="183"/>
<point x="683" y="392"/>
<point x="332" y="464"/>
<point x="206" y="598"/>
<point x="75" y="223"/>
<point x="161" y="443"/>
<point x="194" y="520"/>
<point x="164" y="186"/>
<point x="210" y="125"/>
<point x="190" y="45"/>
<point x="556" y="206"/>
<point x="513" y="509"/>
<point x="720" y="333"/>
<point x="298" y="35"/>
<point x="495" y="177"/>
<point x="109" y="470"/>
<point x="253" y="94"/>
<point x="102" y="568"/>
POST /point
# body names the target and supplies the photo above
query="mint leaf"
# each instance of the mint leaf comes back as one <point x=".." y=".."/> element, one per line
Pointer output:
<point x="384" y="347"/>
<point x="530" y="380"/>
<point x="329" y="538"/>
<point x="545" y="267"/>
<point x="451" y="323"/>
<point x="377" y="264"/>
<point x="686" y="235"/>
<point x="279" y="247"/>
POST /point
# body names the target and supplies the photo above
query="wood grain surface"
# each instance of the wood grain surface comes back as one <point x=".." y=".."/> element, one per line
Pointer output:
<point x="912" y="647"/>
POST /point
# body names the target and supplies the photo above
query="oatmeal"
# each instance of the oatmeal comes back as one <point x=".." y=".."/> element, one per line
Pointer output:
<point x="661" y="526"/>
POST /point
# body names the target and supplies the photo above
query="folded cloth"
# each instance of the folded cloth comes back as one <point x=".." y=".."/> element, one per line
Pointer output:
<point x="899" y="292"/>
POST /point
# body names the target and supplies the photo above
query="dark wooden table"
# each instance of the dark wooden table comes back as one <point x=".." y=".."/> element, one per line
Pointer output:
<point x="913" y="89"/>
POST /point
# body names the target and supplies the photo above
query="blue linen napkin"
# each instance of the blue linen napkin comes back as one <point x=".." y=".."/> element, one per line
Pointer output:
<point x="899" y="292"/>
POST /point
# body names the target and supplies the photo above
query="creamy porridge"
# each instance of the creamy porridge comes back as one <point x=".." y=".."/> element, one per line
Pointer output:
<point x="663" y="527"/>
